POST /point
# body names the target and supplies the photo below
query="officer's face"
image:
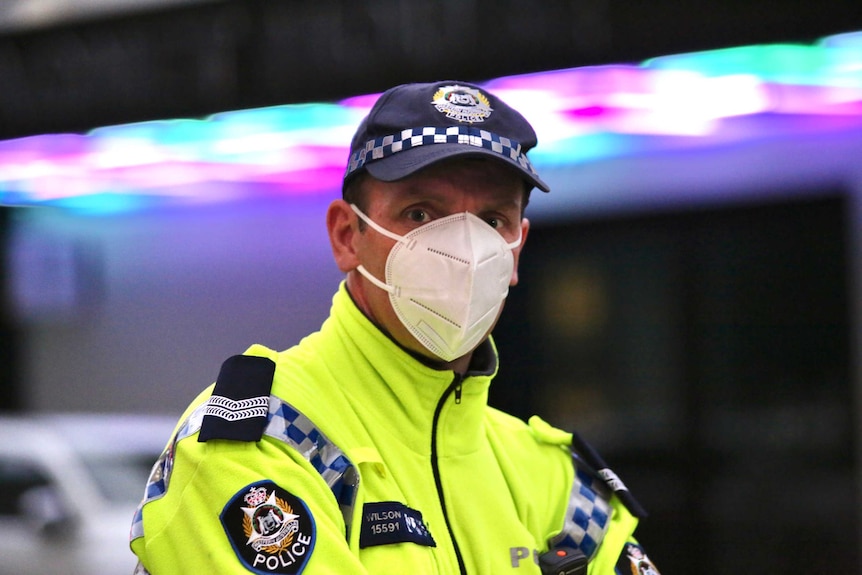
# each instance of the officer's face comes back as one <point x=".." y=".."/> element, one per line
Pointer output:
<point x="483" y="188"/>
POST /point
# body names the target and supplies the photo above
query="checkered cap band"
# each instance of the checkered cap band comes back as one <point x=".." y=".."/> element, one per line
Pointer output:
<point x="386" y="146"/>
<point x="587" y="516"/>
<point x="286" y="424"/>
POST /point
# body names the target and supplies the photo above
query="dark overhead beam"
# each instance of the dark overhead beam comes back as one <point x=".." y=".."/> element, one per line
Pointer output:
<point x="197" y="60"/>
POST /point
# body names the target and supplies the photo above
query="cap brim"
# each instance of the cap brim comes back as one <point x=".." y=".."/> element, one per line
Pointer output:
<point x="408" y="162"/>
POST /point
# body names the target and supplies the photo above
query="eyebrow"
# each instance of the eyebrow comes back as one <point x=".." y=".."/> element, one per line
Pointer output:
<point x="420" y="191"/>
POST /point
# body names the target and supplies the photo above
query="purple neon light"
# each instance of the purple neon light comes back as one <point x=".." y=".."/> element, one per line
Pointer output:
<point x="580" y="114"/>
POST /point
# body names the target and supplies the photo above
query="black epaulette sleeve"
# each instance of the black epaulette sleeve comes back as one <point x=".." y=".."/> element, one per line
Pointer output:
<point x="584" y="451"/>
<point x="239" y="403"/>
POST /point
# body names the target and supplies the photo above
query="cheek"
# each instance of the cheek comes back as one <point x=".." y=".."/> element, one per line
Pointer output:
<point x="373" y="251"/>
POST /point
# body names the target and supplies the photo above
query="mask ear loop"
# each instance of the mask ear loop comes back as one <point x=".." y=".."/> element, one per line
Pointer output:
<point x="377" y="227"/>
<point x="517" y="242"/>
<point x="361" y="268"/>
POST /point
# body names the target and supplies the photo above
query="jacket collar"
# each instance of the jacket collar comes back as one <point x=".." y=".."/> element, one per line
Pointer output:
<point x="398" y="391"/>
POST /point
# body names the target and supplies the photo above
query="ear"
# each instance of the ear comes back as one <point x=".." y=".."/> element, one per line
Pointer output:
<point x="342" y="228"/>
<point x="516" y="253"/>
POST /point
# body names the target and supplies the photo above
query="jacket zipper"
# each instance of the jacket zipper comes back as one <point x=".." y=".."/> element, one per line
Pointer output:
<point x="456" y="387"/>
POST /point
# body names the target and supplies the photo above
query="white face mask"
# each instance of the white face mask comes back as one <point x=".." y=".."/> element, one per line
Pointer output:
<point x="447" y="280"/>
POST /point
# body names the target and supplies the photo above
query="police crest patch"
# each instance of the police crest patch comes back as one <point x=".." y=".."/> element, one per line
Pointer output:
<point x="462" y="104"/>
<point x="271" y="530"/>
<point x="634" y="561"/>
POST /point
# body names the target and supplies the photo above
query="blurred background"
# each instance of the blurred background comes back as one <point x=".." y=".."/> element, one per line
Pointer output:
<point x="688" y="297"/>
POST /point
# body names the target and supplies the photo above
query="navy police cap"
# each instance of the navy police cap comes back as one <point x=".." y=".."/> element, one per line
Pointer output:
<point x="413" y="126"/>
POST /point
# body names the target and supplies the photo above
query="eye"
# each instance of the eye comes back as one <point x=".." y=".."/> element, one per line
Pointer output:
<point x="418" y="216"/>
<point x="494" y="222"/>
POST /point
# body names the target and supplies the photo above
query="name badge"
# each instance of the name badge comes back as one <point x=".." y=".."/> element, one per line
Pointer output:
<point x="390" y="522"/>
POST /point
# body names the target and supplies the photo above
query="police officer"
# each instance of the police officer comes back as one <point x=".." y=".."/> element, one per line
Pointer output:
<point x="369" y="447"/>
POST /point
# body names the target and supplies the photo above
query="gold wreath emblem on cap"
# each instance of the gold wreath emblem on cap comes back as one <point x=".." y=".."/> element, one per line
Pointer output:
<point x="462" y="104"/>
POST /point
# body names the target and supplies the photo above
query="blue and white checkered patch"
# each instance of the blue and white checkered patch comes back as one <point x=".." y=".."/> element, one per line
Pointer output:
<point x="286" y="424"/>
<point x="587" y="516"/>
<point x="386" y="146"/>
<point x="160" y="476"/>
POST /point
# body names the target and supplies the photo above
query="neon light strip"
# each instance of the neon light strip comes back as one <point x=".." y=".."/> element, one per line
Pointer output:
<point x="581" y="115"/>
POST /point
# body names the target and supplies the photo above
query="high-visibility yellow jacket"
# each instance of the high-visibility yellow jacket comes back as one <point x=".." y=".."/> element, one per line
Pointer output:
<point x="368" y="461"/>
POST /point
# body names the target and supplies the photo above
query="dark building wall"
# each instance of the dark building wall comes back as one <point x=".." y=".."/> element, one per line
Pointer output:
<point x="215" y="56"/>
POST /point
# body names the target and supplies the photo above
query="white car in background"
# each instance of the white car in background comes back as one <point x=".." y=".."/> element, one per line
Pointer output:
<point x="69" y="486"/>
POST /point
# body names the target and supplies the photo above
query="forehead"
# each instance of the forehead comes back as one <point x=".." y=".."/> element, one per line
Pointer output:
<point x="475" y="177"/>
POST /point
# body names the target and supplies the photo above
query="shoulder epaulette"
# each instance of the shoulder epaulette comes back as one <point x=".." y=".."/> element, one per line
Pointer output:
<point x="594" y="463"/>
<point x="239" y="403"/>
<point x="588" y="515"/>
<point x="588" y="460"/>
